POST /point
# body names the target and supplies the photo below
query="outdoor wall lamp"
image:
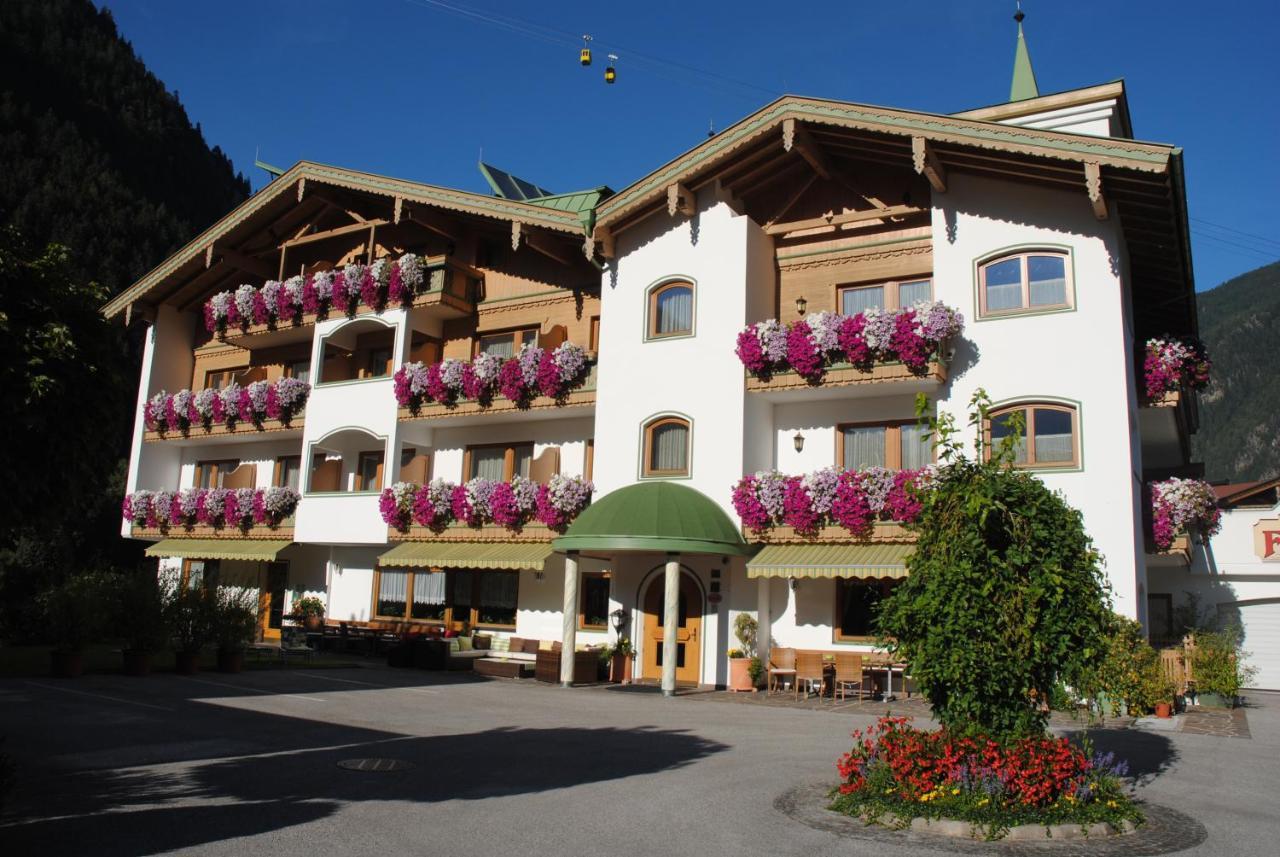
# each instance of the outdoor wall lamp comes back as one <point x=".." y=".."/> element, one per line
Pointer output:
<point x="537" y="575"/>
<point x="798" y="440"/>
<point x="801" y="304"/>
<point x="619" y="617"/>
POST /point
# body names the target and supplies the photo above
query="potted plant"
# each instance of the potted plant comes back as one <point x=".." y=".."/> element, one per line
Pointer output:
<point x="140" y="620"/>
<point x="234" y="624"/>
<point x="740" y="676"/>
<point x="1217" y="664"/>
<point x="620" y="661"/>
<point x="308" y="611"/>
<point x="188" y="615"/>
<point x="73" y="611"/>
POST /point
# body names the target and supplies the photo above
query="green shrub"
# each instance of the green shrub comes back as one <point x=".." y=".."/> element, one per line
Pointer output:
<point x="78" y="609"/>
<point x="233" y="618"/>
<point x="1130" y="671"/>
<point x="139" y="616"/>
<point x="1218" y="665"/>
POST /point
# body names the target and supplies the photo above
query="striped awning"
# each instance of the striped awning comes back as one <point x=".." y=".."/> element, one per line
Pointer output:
<point x="466" y="555"/>
<point x="247" y="549"/>
<point x="867" y="561"/>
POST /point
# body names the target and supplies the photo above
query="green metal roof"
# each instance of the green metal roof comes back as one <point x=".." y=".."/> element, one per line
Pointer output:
<point x="1024" y="77"/>
<point x="824" y="560"/>
<point x="506" y="556"/>
<point x="665" y="517"/>
<point x="250" y="549"/>
<point x="510" y="186"/>
<point x="577" y="202"/>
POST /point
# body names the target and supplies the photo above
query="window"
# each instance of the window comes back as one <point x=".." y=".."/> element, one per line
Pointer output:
<point x="857" y="603"/>
<point x="594" y="346"/>
<point x="1047" y="438"/>
<point x="1023" y="282"/>
<point x="212" y="474"/>
<point x="288" y="472"/>
<point x="1160" y="617"/>
<point x="455" y="598"/>
<point x="671" y="310"/>
<point x="500" y="461"/>
<point x="379" y="365"/>
<point x="507" y="343"/>
<point x="369" y="471"/>
<point x="593" y="601"/>
<point x="589" y="466"/>
<point x="220" y="378"/>
<point x="300" y="369"/>
<point x="200" y="573"/>
<point x="898" y="446"/>
<point x="666" y="447"/>
<point x="892" y="295"/>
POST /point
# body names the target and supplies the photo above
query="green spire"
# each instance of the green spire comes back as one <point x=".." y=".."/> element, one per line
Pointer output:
<point x="1024" y="77"/>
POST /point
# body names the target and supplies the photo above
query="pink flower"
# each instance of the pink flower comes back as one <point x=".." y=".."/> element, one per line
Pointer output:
<point x="396" y="292"/>
<point x="852" y="342"/>
<point x="797" y="508"/>
<point x="750" y="352"/>
<point x="802" y="353"/>
<point x="851" y="508"/>
<point x="261" y="314"/>
<point x="310" y="296"/>
<point x="549" y="375"/>
<point x="511" y="382"/>
<point x="369" y="290"/>
<point x="747" y="503"/>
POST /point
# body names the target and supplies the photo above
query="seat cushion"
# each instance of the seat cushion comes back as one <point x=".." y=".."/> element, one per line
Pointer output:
<point x="500" y="644"/>
<point x="527" y="657"/>
<point x="471" y="654"/>
<point x="529" y="647"/>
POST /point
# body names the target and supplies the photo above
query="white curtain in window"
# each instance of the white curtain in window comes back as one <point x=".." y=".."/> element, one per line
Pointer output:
<point x="863" y="447"/>
<point x="1000" y="429"/>
<point x="499" y="589"/>
<point x="675" y="310"/>
<point x="498" y="346"/>
<point x="393" y="586"/>
<point x="429" y="587"/>
<point x="1004" y="284"/>
<point x="1048" y="280"/>
<point x="916" y="452"/>
<point x="1053" y="435"/>
<point x="909" y="293"/>
<point x="670" y="447"/>
<point x="524" y="458"/>
<point x="854" y="301"/>
<point x="488" y="463"/>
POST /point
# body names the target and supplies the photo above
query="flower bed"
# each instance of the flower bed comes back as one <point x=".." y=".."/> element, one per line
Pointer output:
<point x="1171" y="364"/>
<point x="231" y="406"/>
<point x="382" y="284"/>
<point x="1177" y="504"/>
<point x="852" y="499"/>
<point x="809" y="346"/>
<point x="532" y="372"/>
<point x="896" y="773"/>
<point x="481" y="502"/>
<point x="239" y="508"/>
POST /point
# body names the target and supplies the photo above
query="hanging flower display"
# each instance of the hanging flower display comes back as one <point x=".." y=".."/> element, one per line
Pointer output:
<point x="852" y="499"/>
<point x="376" y="286"/>
<point x="481" y="501"/>
<point x="532" y="372"/>
<point x="1177" y="504"/>
<point x="261" y="400"/>
<point x="1172" y="363"/>
<point x="214" y="507"/>
<point x="811" y="345"/>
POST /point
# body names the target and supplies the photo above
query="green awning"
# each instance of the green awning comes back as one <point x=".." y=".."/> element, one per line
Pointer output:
<point x="466" y="555"/>
<point x="866" y="561"/>
<point x="249" y="549"/>
<point x="658" y="517"/>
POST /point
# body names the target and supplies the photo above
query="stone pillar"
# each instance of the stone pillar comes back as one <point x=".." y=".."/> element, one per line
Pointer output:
<point x="569" y="640"/>
<point x="764" y="620"/>
<point x="670" y="623"/>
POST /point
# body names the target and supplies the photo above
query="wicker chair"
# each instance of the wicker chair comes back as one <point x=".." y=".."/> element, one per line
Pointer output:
<point x="782" y="668"/>
<point x="808" y="672"/>
<point x="849" y="676"/>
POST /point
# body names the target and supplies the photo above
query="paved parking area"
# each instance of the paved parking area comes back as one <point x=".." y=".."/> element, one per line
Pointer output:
<point x="217" y="764"/>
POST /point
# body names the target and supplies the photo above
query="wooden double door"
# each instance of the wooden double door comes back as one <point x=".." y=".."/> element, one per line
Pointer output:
<point x="688" y="632"/>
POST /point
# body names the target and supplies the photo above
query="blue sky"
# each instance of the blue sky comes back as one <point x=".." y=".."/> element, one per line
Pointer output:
<point x="408" y="89"/>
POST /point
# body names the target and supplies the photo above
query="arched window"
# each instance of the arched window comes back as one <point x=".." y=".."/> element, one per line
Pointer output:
<point x="1024" y="282"/>
<point x="671" y="310"/>
<point x="666" y="447"/>
<point x="359" y="350"/>
<point x="1049" y="436"/>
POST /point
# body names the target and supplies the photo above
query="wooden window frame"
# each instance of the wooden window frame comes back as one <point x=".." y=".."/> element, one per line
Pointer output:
<point x="508" y="462"/>
<point x="651" y="327"/>
<point x="277" y="474"/>
<point x="231" y="375"/>
<point x="1164" y="634"/>
<point x="584" y="576"/>
<point x="1026" y="308"/>
<point x="1030" y="407"/>
<point x="511" y="332"/>
<point x="382" y="464"/>
<point x="892" y="296"/>
<point x="589" y="459"/>
<point x="885" y="585"/>
<point x="892" y="440"/>
<point x="184" y="576"/>
<point x="451" y="618"/>
<point x="218" y="468"/>
<point x="646" y="470"/>
<point x="593" y="335"/>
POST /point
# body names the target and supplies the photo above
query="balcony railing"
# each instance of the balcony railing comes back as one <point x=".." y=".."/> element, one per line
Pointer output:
<point x="202" y="513"/>
<point x="442" y="391"/>
<point x="484" y="509"/>
<point x="259" y="407"/>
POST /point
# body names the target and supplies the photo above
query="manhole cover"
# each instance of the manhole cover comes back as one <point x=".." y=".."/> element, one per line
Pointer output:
<point x="375" y="766"/>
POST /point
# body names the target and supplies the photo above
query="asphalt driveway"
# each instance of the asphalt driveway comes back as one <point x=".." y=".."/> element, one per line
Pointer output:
<point x="218" y="764"/>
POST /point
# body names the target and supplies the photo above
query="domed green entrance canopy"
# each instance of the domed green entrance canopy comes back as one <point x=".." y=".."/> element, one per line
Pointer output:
<point x="664" y="517"/>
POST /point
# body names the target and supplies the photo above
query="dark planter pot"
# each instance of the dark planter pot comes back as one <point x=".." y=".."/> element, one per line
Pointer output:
<point x="186" y="663"/>
<point x="66" y="664"/>
<point x="137" y="663"/>
<point x="230" y="661"/>
<point x="313" y="623"/>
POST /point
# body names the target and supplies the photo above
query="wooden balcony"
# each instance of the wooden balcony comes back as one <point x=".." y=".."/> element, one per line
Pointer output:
<point x="532" y="532"/>
<point x="203" y="531"/>
<point x="1177" y="554"/>
<point x="579" y="402"/>
<point x="243" y="431"/>
<point x="843" y="380"/>
<point x="883" y="532"/>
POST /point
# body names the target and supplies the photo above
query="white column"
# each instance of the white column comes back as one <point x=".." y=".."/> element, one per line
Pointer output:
<point x="570" y="637"/>
<point x="764" y="620"/>
<point x="670" y="623"/>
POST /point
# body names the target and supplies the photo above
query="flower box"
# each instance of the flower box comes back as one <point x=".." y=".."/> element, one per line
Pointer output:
<point x="281" y="532"/>
<point x="221" y="430"/>
<point x="459" y="532"/>
<point x="582" y="397"/>
<point x="882" y="532"/>
<point x="847" y="375"/>
<point x="535" y="378"/>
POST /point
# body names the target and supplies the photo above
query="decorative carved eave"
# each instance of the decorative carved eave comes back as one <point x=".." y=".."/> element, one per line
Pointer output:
<point x="680" y="199"/>
<point x="796" y="138"/>
<point x="1093" y="186"/>
<point x="927" y="164"/>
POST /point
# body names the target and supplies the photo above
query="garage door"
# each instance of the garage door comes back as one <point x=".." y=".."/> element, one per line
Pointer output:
<point x="1261" y="624"/>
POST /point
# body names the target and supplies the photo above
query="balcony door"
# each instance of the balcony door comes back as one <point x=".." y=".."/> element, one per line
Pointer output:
<point x="272" y="581"/>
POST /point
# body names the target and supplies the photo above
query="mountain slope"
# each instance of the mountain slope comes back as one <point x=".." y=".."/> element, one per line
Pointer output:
<point x="1239" y="435"/>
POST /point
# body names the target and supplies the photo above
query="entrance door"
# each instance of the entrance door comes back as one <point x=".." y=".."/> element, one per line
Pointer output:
<point x="688" y="634"/>
<point x="271" y="599"/>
